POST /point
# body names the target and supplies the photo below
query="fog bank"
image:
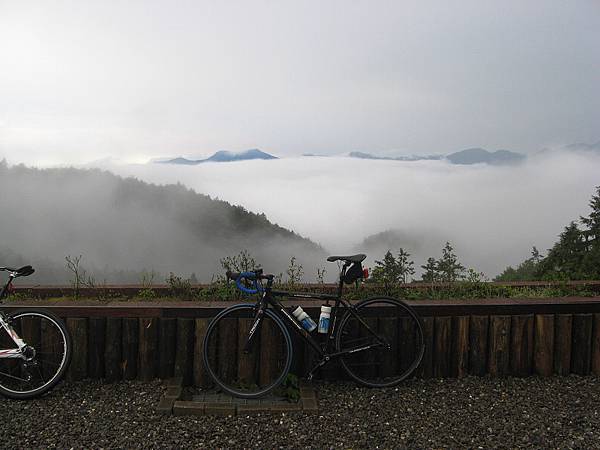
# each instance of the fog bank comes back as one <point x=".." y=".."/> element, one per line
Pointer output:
<point x="492" y="215"/>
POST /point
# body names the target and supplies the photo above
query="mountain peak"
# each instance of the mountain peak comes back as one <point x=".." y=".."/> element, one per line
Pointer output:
<point x="226" y="156"/>
<point x="222" y="156"/>
<point x="479" y="155"/>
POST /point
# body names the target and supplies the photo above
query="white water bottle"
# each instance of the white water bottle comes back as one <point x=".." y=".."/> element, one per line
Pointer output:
<point x="304" y="319"/>
<point x="324" y="319"/>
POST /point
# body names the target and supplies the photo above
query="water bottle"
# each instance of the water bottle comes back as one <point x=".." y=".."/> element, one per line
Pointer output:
<point x="324" y="319"/>
<point x="307" y="323"/>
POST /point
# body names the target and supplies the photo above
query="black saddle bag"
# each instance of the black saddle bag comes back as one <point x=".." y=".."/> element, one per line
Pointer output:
<point x="354" y="272"/>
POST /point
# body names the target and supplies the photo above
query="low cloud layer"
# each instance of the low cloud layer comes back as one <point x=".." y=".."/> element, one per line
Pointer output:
<point x="492" y="215"/>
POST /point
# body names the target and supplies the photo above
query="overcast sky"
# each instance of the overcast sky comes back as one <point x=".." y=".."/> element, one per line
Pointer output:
<point x="86" y="80"/>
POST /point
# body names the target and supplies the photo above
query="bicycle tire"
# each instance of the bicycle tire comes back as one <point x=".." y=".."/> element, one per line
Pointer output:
<point x="247" y="375"/>
<point x="48" y="336"/>
<point x="381" y="366"/>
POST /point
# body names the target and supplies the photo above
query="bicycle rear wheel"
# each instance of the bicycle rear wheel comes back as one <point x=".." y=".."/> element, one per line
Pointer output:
<point x="45" y="358"/>
<point x="387" y="348"/>
<point x="257" y="371"/>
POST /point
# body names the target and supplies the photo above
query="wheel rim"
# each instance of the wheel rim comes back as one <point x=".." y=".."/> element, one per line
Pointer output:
<point x="262" y="368"/>
<point x="385" y="365"/>
<point x="46" y="354"/>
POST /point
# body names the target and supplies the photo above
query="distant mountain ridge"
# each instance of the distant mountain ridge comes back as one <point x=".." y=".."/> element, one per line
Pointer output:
<point x="583" y="146"/>
<point x="222" y="156"/>
<point x="125" y="224"/>
<point x="463" y="157"/>
<point x="362" y="155"/>
<point x="480" y="155"/>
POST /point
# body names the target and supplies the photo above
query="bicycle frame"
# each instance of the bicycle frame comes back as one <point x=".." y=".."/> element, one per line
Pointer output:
<point x="269" y="298"/>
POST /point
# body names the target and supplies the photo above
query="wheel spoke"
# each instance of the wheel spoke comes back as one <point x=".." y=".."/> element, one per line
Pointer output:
<point x="398" y="330"/>
<point x="247" y="374"/>
<point x="47" y="344"/>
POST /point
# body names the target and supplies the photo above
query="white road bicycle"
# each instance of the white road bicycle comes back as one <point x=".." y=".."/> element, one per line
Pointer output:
<point x="35" y="347"/>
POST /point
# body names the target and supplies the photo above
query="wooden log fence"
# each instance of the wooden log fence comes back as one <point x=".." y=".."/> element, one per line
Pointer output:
<point x="157" y="345"/>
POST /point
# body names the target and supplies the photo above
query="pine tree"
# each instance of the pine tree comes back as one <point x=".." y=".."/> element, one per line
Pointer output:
<point x="448" y="266"/>
<point x="404" y="265"/>
<point x="592" y="222"/>
<point x="430" y="271"/>
<point x="528" y="270"/>
<point x="591" y="235"/>
<point x="386" y="271"/>
<point x="565" y="258"/>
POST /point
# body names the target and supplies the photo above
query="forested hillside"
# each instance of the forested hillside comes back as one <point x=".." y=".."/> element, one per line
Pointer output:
<point x="576" y="255"/>
<point x="123" y="227"/>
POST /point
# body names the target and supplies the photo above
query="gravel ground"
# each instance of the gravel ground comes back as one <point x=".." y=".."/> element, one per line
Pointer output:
<point x="468" y="413"/>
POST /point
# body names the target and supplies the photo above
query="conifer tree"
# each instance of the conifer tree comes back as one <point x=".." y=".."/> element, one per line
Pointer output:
<point x="430" y="271"/>
<point x="449" y="268"/>
<point x="404" y="265"/>
<point x="386" y="271"/>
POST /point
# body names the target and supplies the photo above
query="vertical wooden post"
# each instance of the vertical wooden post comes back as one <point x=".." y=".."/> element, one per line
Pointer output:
<point x="543" y="347"/>
<point x="148" y="346"/>
<point x="96" y="345"/>
<point x="499" y="355"/>
<point x="478" y="345"/>
<point x="595" y="363"/>
<point x="167" y="328"/>
<point x="112" y="350"/>
<point x="460" y="346"/>
<point x="201" y="378"/>
<point x="521" y="345"/>
<point x="79" y="333"/>
<point x="425" y="369"/>
<point x="184" y="352"/>
<point x="405" y="337"/>
<point x="563" y="329"/>
<point x="51" y="347"/>
<point x="131" y="339"/>
<point x="442" y="347"/>
<point x="582" y="344"/>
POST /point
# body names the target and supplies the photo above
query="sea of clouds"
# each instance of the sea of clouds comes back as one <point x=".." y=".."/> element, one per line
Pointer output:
<point x="492" y="215"/>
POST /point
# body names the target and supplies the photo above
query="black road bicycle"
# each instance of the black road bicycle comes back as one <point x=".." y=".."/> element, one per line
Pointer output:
<point x="35" y="347"/>
<point x="248" y="347"/>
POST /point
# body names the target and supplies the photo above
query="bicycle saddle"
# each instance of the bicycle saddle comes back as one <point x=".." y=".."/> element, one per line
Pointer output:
<point x="353" y="258"/>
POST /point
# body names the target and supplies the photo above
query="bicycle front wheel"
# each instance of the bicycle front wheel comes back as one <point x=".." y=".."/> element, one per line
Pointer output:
<point x="247" y="372"/>
<point x="384" y="341"/>
<point x="43" y="361"/>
